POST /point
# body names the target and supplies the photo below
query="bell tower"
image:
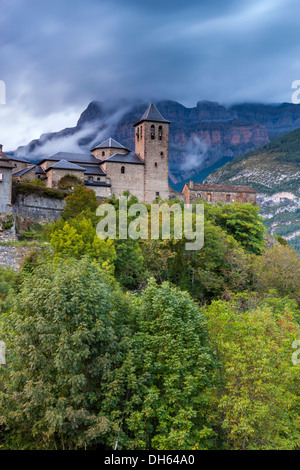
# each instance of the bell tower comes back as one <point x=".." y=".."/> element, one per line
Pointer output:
<point x="152" y="146"/>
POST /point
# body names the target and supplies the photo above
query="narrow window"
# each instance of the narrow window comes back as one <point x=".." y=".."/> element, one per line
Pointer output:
<point x="123" y="169"/>
<point x="162" y="154"/>
<point x="137" y="134"/>
<point x="208" y="197"/>
<point x="90" y="178"/>
<point x="160" y="132"/>
<point x="152" y="132"/>
<point x="103" y="154"/>
<point x="141" y="132"/>
<point x="155" y="164"/>
<point x="157" y="193"/>
<point x="228" y="199"/>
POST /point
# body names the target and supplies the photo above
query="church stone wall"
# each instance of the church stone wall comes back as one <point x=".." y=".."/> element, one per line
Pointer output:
<point x="132" y="180"/>
<point x="155" y="153"/>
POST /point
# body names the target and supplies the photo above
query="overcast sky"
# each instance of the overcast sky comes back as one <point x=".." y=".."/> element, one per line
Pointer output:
<point x="57" y="56"/>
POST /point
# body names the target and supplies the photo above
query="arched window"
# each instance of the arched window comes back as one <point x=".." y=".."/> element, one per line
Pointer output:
<point x="161" y="154"/>
<point x="155" y="164"/>
<point x="199" y="195"/>
<point x="98" y="179"/>
<point x="152" y="132"/>
<point x="228" y="199"/>
<point x="141" y="132"/>
<point x="90" y="178"/>
<point x="103" y="154"/>
<point x="123" y="169"/>
<point x="208" y="197"/>
<point x="160" y="132"/>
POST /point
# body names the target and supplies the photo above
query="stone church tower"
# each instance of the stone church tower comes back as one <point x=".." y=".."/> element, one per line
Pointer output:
<point x="152" y="146"/>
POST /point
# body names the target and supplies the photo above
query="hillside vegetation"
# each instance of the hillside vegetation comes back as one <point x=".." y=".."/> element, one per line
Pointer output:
<point x="274" y="171"/>
<point x="142" y="344"/>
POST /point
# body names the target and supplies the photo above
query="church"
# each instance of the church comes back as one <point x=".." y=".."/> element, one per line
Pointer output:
<point x="110" y="168"/>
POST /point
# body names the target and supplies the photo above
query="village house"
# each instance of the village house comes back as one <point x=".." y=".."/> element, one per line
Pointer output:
<point x="214" y="193"/>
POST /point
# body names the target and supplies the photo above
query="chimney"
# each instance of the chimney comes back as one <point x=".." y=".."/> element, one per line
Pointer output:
<point x="191" y="185"/>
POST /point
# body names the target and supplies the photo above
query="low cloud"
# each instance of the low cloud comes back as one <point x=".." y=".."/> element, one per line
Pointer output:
<point x="195" y="154"/>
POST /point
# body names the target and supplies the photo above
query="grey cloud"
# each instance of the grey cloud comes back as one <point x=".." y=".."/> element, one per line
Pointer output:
<point x="66" y="53"/>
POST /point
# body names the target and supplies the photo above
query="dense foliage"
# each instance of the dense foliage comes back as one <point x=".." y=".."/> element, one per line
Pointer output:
<point x="141" y="344"/>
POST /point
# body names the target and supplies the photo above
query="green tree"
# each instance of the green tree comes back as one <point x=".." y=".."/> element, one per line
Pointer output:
<point x="242" y="221"/>
<point x="65" y="335"/>
<point x="168" y="373"/>
<point x="279" y="268"/>
<point x="81" y="200"/>
<point x="256" y="383"/>
<point x="78" y="238"/>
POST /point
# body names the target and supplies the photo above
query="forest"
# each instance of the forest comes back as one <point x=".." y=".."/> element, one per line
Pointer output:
<point x="141" y="344"/>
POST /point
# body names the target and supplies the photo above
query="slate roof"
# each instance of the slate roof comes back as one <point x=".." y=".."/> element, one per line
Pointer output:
<point x="152" y="114"/>
<point x="130" y="157"/>
<point x="229" y="188"/>
<point x="73" y="157"/>
<point x="64" y="165"/>
<point x="17" y="159"/>
<point x="110" y="143"/>
<point x="24" y="171"/>
<point x="93" y="170"/>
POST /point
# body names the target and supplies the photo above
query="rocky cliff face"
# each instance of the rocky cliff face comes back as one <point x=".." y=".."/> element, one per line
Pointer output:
<point x="200" y="137"/>
<point x="274" y="171"/>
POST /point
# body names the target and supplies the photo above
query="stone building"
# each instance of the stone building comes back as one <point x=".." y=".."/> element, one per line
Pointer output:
<point x="111" y="168"/>
<point x="214" y="193"/>
<point x="6" y="168"/>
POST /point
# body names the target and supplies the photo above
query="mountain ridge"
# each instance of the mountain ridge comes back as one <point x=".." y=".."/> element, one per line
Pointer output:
<point x="274" y="171"/>
<point x="200" y="136"/>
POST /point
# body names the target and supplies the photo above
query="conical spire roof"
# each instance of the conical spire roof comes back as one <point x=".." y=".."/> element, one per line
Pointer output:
<point x="110" y="143"/>
<point x="152" y="114"/>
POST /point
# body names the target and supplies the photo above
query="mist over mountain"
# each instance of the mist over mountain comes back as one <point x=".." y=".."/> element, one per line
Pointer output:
<point x="202" y="138"/>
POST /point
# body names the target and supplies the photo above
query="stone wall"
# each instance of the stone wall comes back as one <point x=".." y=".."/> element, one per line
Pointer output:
<point x="36" y="207"/>
<point x="98" y="153"/>
<point x="225" y="197"/>
<point x="5" y="189"/>
<point x="132" y="180"/>
<point x="13" y="256"/>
